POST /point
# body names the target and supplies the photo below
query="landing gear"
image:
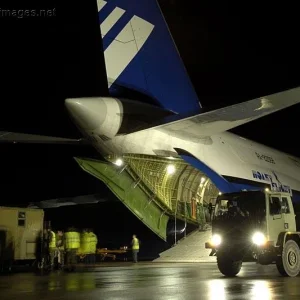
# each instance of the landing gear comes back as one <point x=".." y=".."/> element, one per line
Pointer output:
<point x="288" y="264"/>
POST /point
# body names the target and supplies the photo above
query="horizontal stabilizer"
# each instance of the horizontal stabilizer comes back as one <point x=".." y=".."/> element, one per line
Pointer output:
<point x="223" y="119"/>
<point x="14" y="137"/>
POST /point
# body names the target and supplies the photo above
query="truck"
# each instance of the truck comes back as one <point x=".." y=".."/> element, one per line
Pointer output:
<point x="20" y="232"/>
<point x="258" y="226"/>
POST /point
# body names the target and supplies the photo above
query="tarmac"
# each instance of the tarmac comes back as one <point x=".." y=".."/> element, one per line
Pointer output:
<point x="159" y="281"/>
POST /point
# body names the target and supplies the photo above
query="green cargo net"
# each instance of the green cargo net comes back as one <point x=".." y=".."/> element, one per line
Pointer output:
<point x="130" y="193"/>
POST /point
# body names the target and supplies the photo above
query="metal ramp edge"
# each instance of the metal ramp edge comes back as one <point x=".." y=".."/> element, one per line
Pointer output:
<point x="189" y="249"/>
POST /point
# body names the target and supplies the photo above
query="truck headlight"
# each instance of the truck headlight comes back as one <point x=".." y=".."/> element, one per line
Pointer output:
<point x="258" y="239"/>
<point x="216" y="240"/>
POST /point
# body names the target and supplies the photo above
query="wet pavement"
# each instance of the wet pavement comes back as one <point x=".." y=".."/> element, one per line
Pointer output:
<point x="152" y="281"/>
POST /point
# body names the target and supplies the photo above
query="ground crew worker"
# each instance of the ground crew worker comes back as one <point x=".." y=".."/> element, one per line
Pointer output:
<point x="45" y="246"/>
<point x="210" y="211"/>
<point x="93" y="241"/>
<point x="60" y="248"/>
<point x="84" y="249"/>
<point x="52" y="247"/>
<point x="200" y="216"/>
<point x="72" y="244"/>
<point x="135" y="248"/>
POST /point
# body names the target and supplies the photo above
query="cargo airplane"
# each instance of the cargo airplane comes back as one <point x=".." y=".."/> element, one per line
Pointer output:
<point x="164" y="118"/>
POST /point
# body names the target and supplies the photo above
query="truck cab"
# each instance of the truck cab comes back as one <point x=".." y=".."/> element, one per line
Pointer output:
<point x="256" y="224"/>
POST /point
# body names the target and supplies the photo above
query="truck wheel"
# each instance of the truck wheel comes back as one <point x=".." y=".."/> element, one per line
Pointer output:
<point x="289" y="262"/>
<point x="228" y="266"/>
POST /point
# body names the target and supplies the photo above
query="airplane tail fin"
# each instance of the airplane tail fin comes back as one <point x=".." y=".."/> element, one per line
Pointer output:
<point x="141" y="56"/>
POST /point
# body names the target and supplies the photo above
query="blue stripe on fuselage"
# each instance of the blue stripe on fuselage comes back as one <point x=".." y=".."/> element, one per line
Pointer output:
<point x="222" y="184"/>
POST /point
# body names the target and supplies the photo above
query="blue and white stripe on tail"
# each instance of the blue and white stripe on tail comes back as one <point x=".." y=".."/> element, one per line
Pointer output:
<point x="140" y="55"/>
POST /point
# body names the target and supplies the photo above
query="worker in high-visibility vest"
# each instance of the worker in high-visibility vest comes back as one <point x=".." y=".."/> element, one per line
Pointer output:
<point x="84" y="249"/>
<point x="72" y="244"/>
<point x="135" y="248"/>
<point x="93" y="240"/>
<point x="52" y="246"/>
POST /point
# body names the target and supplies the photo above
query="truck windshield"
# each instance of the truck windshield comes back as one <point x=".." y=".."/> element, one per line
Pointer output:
<point x="241" y="205"/>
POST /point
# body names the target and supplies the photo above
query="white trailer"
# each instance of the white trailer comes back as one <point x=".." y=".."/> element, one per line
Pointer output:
<point x="20" y="230"/>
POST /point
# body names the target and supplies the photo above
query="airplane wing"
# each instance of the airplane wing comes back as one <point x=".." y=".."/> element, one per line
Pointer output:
<point x="220" y="120"/>
<point x="195" y="127"/>
<point x="13" y="137"/>
<point x="78" y="200"/>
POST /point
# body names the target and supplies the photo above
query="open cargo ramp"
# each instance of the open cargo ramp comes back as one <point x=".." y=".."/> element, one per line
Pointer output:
<point x="189" y="249"/>
<point x="135" y="196"/>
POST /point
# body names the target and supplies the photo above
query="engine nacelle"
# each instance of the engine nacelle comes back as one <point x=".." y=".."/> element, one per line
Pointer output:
<point x="110" y="116"/>
<point x="107" y="117"/>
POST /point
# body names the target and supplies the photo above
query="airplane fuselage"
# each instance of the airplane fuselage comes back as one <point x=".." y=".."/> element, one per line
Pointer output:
<point x="227" y="154"/>
<point x="230" y="156"/>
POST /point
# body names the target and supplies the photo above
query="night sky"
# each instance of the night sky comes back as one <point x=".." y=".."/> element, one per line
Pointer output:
<point x="233" y="51"/>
